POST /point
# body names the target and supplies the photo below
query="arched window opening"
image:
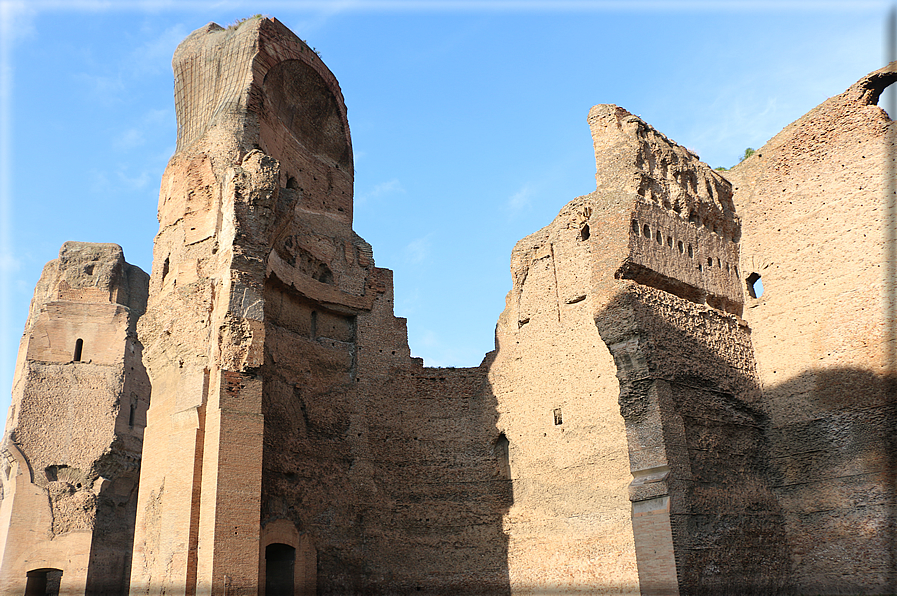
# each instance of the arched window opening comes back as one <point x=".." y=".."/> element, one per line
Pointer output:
<point x="43" y="582"/>
<point x="280" y="562"/>
<point x="79" y="346"/>
<point x="754" y="285"/>
<point x="879" y="87"/>
<point x="584" y="233"/>
<point x="132" y="414"/>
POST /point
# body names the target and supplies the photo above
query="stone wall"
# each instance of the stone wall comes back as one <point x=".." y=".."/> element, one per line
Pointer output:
<point x="648" y="423"/>
<point x="814" y="202"/>
<point x="291" y="420"/>
<point x="71" y="453"/>
<point x="666" y="301"/>
<point x="569" y="527"/>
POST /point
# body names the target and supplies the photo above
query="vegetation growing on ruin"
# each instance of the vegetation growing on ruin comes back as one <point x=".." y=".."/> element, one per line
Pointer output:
<point x="747" y="153"/>
<point x="239" y="22"/>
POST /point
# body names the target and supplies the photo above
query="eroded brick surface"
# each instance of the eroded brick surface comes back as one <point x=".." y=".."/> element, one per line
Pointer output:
<point x="72" y="448"/>
<point x="645" y="424"/>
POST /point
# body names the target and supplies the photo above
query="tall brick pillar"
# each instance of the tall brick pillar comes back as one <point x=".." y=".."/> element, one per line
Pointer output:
<point x="262" y="131"/>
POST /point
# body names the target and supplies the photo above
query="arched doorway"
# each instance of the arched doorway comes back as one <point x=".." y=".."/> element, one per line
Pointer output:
<point x="280" y="563"/>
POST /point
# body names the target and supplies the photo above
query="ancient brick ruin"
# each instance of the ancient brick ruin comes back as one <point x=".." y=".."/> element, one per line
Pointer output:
<point x="647" y="423"/>
<point x="71" y="455"/>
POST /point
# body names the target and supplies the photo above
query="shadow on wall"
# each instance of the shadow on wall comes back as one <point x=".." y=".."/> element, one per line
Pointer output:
<point x="805" y="506"/>
<point x="393" y="473"/>
<point x="834" y="464"/>
<point x="692" y="406"/>
<point x="112" y="543"/>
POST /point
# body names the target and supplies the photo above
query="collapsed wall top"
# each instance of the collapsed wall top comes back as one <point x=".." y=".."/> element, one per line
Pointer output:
<point x="273" y="93"/>
<point x="683" y="230"/>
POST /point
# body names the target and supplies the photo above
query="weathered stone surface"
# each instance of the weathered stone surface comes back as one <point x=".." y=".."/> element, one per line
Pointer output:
<point x="664" y="294"/>
<point x="569" y="526"/>
<point x="74" y="432"/>
<point x="814" y="201"/>
<point x="644" y="425"/>
<point x="286" y="411"/>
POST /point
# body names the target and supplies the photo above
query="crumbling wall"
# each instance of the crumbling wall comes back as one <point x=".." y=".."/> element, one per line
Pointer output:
<point x="75" y="427"/>
<point x="666" y="301"/>
<point x="295" y="437"/>
<point x="292" y="438"/>
<point x="388" y="466"/>
<point x="569" y="526"/>
<point x="814" y="203"/>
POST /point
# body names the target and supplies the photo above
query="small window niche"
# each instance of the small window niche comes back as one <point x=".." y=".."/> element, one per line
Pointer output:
<point x="584" y="233"/>
<point x="754" y="285"/>
<point x="558" y="417"/>
<point x="502" y="452"/>
<point x="79" y="347"/>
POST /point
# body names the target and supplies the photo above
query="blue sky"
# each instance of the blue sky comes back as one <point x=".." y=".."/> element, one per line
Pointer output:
<point x="468" y="122"/>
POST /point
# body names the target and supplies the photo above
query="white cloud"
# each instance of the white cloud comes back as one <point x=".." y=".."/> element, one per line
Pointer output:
<point x="107" y="89"/>
<point x="155" y="55"/>
<point x="16" y="20"/>
<point x="418" y="250"/>
<point x="134" y="136"/>
<point x="105" y="183"/>
<point x="9" y="263"/>
<point x="384" y="188"/>
<point x="522" y="199"/>
<point x="136" y="182"/>
<point x="325" y="12"/>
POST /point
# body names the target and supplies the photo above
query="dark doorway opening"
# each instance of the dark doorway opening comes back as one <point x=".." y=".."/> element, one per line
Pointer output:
<point x="43" y="582"/>
<point x="280" y="561"/>
<point x="79" y="345"/>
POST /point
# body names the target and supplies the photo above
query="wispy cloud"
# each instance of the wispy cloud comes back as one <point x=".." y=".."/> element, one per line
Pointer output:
<point x="107" y="89"/>
<point x="408" y="302"/>
<point x="324" y="12"/>
<point x="105" y="183"/>
<point x="147" y="59"/>
<point x="384" y="188"/>
<point x="522" y="199"/>
<point x="9" y="263"/>
<point x="16" y="20"/>
<point x="154" y="55"/>
<point x="135" y="136"/>
<point x="417" y="251"/>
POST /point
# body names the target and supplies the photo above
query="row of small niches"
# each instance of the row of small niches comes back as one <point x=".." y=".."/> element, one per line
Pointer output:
<point x="646" y="232"/>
